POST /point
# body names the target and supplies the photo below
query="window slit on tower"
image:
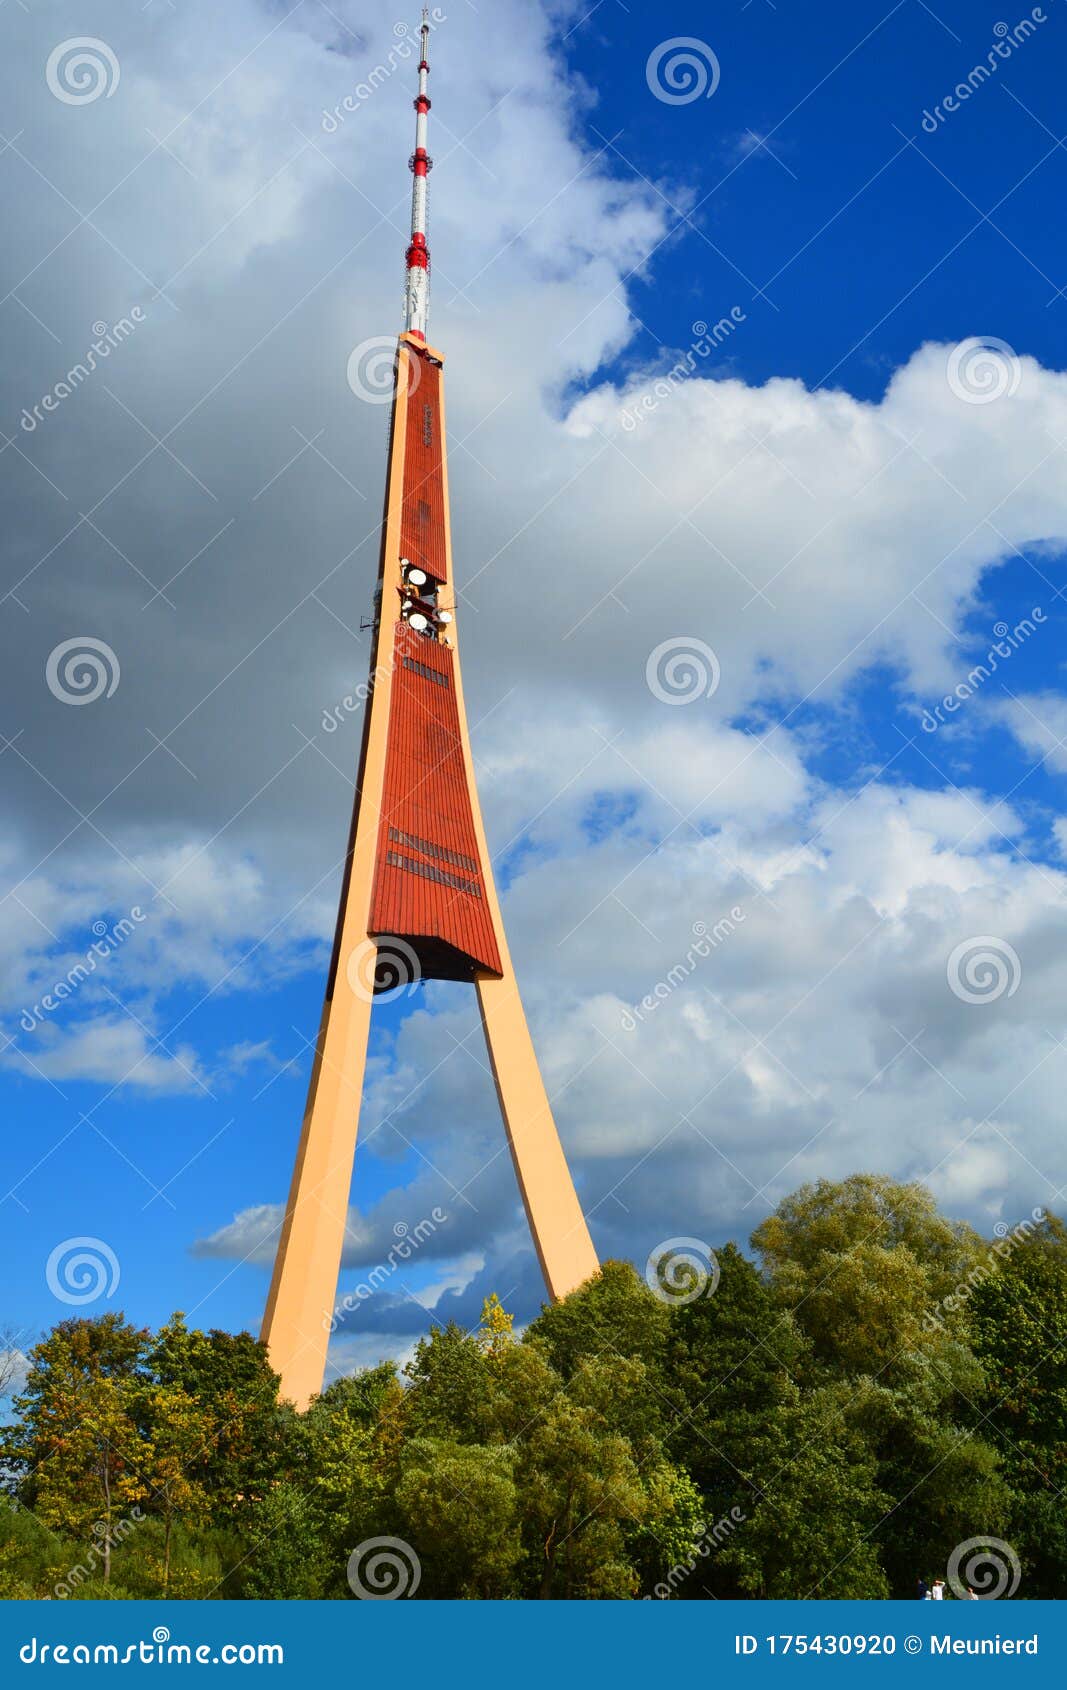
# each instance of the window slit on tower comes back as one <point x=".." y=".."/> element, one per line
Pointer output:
<point x="425" y="671"/>
<point x="427" y="871"/>
<point x="430" y="850"/>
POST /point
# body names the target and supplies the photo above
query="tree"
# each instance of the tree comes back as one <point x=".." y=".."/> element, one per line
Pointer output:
<point x="253" y="1437"/>
<point x="582" y="1494"/>
<point x="733" y="1365"/>
<point x="1018" y="1319"/>
<point x="90" y="1464"/>
<point x="807" y="1531"/>
<point x="75" y="1453"/>
<point x="665" y="1546"/>
<point x="494" y="1331"/>
<point x="831" y="1217"/>
<point x="288" y="1556"/>
<point x="448" y="1385"/>
<point x="1018" y="1316"/>
<point x="460" y="1505"/>
<point x="943" y="1481"/>
<point x="866" y="1264"/>
<point x="179" y="1436"/>
<point x="615" y="1313"/>
<point x="352" y="1439"/>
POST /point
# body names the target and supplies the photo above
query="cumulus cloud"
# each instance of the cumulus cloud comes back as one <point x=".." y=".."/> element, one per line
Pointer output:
<point x="1039" y="723"/>
<point x="207" y="505"/>
<point x="110" y="1050"/>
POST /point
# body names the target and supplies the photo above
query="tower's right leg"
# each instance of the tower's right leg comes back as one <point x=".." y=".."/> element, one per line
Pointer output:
<point x="560" y="1234"/>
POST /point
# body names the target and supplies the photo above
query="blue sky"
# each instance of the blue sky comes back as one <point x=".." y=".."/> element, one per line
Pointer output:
<point x="578" y="235"/>
<point x="848" y="202"/>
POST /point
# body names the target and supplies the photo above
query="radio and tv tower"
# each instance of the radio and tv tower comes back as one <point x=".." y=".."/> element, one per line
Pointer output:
<point x="418" y="896"/>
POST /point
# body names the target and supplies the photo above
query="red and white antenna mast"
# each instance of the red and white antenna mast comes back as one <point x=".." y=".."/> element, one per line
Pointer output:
<point x="417" y="292"/>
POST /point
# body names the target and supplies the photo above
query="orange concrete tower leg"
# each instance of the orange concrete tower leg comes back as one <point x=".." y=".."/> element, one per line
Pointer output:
<point x="560" y="1234"/>
<point x="297" y="1322"/>
<point x="561" y="1237"/>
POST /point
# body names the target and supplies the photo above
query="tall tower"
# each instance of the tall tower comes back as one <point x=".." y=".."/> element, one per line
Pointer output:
<point x="418" y="894"/>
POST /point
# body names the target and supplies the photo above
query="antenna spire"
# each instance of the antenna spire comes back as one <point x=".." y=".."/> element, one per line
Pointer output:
<point x="417" y="291"/>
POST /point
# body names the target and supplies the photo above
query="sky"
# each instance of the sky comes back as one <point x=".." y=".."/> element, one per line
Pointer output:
<point x="754" y="345"/>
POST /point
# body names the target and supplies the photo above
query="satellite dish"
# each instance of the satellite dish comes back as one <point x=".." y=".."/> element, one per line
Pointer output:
<point x="417" y="577"/>
<point x="418" y="622"/>
<point x="445" y="616"/>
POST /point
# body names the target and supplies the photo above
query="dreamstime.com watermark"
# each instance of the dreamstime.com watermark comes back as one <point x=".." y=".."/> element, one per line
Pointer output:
<point x="983" y="968"/>
<point x="711" y="1538"/>
<point x="380" y="970"/>
<point x="82" y="1270"/>
<point x="703" y="945"/>
<point x="407" y="41"/>
<point x="107" y="941"/>
<point x="682" y="670"/>
<point x="408" y="1241"/>
<point x="996" y="1256"/>
<point x="105" y="342"/>
<point x="156" y="1651"/>
<point x="81" y="70"/>
<point x="1006" y="43"/>
<point x="682" y="70"/>
<point x="81" y="670"/>
<point x="333" y="718"/>
<point x="383" y="1569"/>
<point x="983" y="369"/>
<point x="985" y="1565"/>
<point x="681" y="1270"/>
<point x="371" y="370"/>
<point x="1008" y="640"/>
<point x="707" y="339"/>
<point x="106" y="1538"/>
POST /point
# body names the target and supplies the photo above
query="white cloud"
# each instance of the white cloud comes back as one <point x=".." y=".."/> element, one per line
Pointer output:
<point x="111" y="1050"/>
<point x="1039" y="723"/>
<point x="803" y="536"/>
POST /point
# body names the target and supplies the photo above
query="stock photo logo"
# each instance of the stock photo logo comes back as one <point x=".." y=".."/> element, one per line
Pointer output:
<point x="383" y="1569"/>
<point x="985" y="1565"/>
<point x="680" y="1270"/>
<point x="983" y="969"/>
<point x="107" y="338"/>
<point x="107" y="938"/>
<point x="408" y="1240"/>
<point x="1009" y="1239"/>
<point x="372" y="368"/>
<point x="82" y="1270"/>
<point x="983" y="369"/>
<point x="705" y="341"/>
<point x="405" y="44"/>
<point x="82" y="70"/>
<point x="81" y="670"/>
<point x="1005" y="42"/>
<point x="385" y="969"/>
<point x="1006" y="642"/>
<point x="682" y="70"/>
<point x="682" y="670"/>
<point x="705" y="941"/>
